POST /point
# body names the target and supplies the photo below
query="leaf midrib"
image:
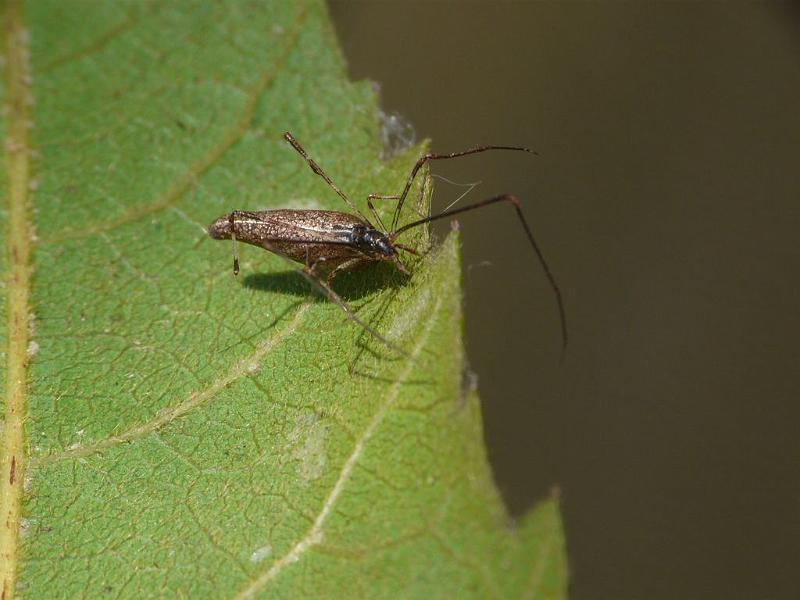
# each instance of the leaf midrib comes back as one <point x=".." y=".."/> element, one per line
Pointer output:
<point x="18" y="248"/>
<point x="314" y="536"/>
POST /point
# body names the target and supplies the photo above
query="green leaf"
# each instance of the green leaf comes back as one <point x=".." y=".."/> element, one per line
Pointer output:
<point x="180" y="432"/>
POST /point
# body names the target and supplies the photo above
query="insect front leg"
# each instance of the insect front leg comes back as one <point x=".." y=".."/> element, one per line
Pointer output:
<point x="514" y="202"/>
<point x="371" y="206"/>
<point x="429" y="157"/>
<point x="399" y="199"/>
<point x="413" y="251"/>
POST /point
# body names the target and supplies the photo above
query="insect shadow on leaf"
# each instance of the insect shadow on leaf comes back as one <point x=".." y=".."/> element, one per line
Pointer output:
<point x="349" y="287"/>
<point x="280" y="317"/>
<point x="328" y="243"/>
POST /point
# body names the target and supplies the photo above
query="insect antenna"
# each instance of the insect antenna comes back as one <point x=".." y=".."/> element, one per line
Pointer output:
<point x="429" y="156"/>
<point x="318" y="170"/>
<point x="514" y="201"/>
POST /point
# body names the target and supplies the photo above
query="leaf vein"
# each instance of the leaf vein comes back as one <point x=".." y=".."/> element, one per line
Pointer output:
<point x="18" y="245"/>
<point x="101" y="42"/>
<point x="234" y="135"/>
<point x="315" y="533"/>
<point x="168" y="415"/>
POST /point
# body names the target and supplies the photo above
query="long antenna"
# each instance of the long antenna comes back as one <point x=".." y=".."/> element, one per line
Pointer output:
<point x="548" y="273"/>
<point x="428" y="157"/>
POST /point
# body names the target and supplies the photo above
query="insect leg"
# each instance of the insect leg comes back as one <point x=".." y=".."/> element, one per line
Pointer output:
<point x="375" y="214"/>
<point x="231" y="220"/>
<point x="413" y="251"/>
<point x="345" y="266"/>
<point x="318" y="170"/>
<point x="514" y="201"/>
<point x="310" y="274"/>
<point x="371" y="197"/>
<point x="430" y="156"/>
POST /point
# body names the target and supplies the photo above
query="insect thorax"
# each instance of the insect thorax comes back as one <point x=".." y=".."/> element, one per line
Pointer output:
<point x="372" y="242"/>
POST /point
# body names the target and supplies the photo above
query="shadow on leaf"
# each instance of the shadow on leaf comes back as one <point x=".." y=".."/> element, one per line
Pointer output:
<point x="350" y="285"/>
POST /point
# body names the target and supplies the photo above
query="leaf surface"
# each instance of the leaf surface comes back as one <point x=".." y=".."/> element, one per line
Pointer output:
<point x="186" y="433"/>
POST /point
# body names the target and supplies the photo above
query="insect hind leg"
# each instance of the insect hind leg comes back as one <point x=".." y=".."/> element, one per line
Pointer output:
<point x="310" y="273"/>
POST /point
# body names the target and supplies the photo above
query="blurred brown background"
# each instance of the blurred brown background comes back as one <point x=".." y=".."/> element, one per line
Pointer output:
<point x="667" y="199"/>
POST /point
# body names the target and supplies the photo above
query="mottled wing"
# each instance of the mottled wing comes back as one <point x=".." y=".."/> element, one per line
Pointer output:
<point x="309" y="225"/>
<point x="307" y="236"/>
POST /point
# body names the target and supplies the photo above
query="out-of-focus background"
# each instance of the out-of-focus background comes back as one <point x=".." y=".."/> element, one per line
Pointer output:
<point x="667" y="200"/>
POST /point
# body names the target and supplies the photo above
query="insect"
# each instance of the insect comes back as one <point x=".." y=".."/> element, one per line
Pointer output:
<point x="329" y="242"/>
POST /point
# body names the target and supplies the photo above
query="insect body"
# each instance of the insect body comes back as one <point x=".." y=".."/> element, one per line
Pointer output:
<point x="332" y="241"/>
<point x="324" y="238"/>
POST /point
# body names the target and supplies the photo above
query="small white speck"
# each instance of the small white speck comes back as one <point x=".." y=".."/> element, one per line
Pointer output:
<point x="408" y="319"/>
<point x="33" y="349"/>
<point x="131" y="375"/>
<point x="258" y="555"/>
<point x="277" y="29"/>
<point x="24" y="527"/>
<point x="26" y="524"/>
<point x="253" y="368"/>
